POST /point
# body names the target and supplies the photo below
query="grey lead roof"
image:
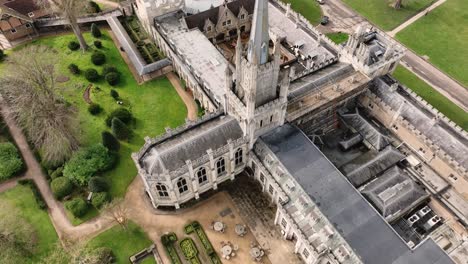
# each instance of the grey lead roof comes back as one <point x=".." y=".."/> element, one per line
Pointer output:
<point x="394" y="193"/>
<point x="191" y="144"/>
<point x="358" y="223"/>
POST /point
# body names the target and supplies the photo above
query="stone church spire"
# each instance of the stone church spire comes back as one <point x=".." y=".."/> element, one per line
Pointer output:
<point x="259" y="37"/>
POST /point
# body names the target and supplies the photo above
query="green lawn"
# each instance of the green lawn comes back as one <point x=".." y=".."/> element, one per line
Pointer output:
<point x="444" y="105"/>
<point x="443" y="36"/>
<point x="338" y="38"/>
<point x="22" y="198"/>
<point x="124" y="243"/>
<point x="310" y="9"/>
<point x="381" y="12"/>
<point x="155" y="104"/>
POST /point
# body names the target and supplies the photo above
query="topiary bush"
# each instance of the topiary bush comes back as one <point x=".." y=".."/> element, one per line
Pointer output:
<point x="61" y="187"/>
<point x="108" y="69"/>
<point x="98" y="58"/>
<point x="91" y="75"/>
<point x="78" y="206"/>
<point x="56" y="173"/>
<point x="94" y="109"/>
<point x="95" y="31"/>
<point x="99" y="199"/>
<point x="11" y="163"/>
<point x="93" y="7"/>
<point x="73" y="45"/>
<point x="121" y="113"/>
<point x="114" y="94"/>
<point x="110" y="142"/>
<point x="112" y="78"/>
<point x="74" y="69"/>
<point x="87" y="162"/>
<point x="98" y="184"/>
<point x="98" y="44"/>
<point x="119" y="129"/>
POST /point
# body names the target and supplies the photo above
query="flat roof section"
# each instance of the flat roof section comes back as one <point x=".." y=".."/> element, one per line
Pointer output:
<point x="368" y="234"/>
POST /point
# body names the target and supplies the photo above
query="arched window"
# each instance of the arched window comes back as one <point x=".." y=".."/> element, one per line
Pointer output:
<point x="162" y="190"/>
<point x="182" y="185"/>
<point x="238" y="158"/>
<point x="201" y="175"/>
<point x="220" y="166"/>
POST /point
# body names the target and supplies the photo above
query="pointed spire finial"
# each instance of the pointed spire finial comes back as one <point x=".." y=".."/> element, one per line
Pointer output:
<point x="259" y="37"/>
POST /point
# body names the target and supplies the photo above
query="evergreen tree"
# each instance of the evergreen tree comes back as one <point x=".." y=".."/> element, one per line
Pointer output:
<point x="95" y="31"/>
<point x="110" y="142"/>
<point x="120" y="130"/>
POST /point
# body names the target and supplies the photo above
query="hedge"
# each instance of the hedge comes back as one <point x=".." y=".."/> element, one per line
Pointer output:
<point x="11" y="163"/>
<point x="168" y="243"/>
<point x="61" y="187"/>
<point x="78" y="206"/>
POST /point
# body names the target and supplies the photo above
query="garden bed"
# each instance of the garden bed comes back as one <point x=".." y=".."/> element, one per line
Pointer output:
<point x="168" y="242"/>
<point x="196" y="228"/>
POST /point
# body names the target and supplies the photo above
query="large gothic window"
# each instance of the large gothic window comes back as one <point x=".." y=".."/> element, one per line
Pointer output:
<point x="238" y="157"/>
<point x="201" y="175"/>
<point x="162" y="190"/>
<point x="182" y="185"/>
<point x="220" y="166"/>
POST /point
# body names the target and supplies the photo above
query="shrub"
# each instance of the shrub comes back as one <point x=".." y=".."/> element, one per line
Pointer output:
<point x="120" y="130"/>
<point x="93" y="7"/>
<point x="10" y="161"/>
<point x="99" y="199"/>
<point x="2" y="55"/>
<point x="73" y="68"/>
<point x="94" y="109"/>
<point x="98" y="58"/>
<point x="110" y="142"/>
<point x="73" y="45"/>
<point x="56" y="173"/>
<point x="85" y="163"/>
<point x="77" y="206"/>
<point x="95" y="31"/>
<point x="98" y="44"/>
<point x="108" y="69"/>
<point x="61" y="187"/>
<point x="114" y="94"/>
<point x="98" y="184"/>
<point x="112" y="78"/>
<point x="91" y="75"/>
<point x="121" y="113"/>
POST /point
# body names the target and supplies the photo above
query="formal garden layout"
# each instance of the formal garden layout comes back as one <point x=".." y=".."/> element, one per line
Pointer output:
<point x="145" y="46"/>
<point x="383" y="14"/>
<point x="187" y="248"/>
<point x="442" y="36"/>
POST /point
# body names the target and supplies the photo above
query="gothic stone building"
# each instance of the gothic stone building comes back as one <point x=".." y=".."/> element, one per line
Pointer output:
<point x="282" y="87"/>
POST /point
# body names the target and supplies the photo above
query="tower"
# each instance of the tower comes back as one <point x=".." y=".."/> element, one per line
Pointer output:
<point x="255" y="96"/>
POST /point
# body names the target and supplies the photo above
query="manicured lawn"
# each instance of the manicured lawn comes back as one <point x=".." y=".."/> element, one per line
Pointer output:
<point x="155" y="105"/>
<point x="124" y="243"/>
<point x="338" y="38"/>
<point x="444" y="105"/>
<point x="443" y="36"/>
<point x="22" y="198"/>
<point x="310" y="9"/>
<point x="382" y="13"/>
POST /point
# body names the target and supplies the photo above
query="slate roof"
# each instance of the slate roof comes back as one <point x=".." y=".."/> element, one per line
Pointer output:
<point x="367" y="166"/>
<point x="190" y="144"/>
<point x="198" y="20"/>
<point x="368" y="234"/>
<point x="23" y="6"/>
<point x="394" y="193"/>
<point x="371" y="133"/>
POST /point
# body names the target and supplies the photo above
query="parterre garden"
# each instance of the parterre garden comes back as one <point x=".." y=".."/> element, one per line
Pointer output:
<point x="115" y="114"/>
<point x="188" y="246"/>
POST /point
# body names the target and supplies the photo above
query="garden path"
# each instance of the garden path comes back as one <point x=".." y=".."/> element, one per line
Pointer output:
<point x="192" y="108"/>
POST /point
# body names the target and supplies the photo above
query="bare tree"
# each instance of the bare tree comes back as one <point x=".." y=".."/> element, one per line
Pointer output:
<point x="69" y="10"/>
<point x="397" y="4"/>
<point x="117" y="211"/>
<point x="29" y="88"/>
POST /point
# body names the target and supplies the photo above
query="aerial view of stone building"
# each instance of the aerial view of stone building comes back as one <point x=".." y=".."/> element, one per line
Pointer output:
<point x="288" y="106"/>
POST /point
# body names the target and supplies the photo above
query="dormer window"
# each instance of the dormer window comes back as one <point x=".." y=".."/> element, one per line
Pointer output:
<point x="224" y="23"/>
<point x="28" y="25"/>
<point x="229" y="22"/>
<point x="31" y="14"/>
<point x="13" y="30"/>
<point x="242" y="16"/>
<point x="208" y="28"/>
